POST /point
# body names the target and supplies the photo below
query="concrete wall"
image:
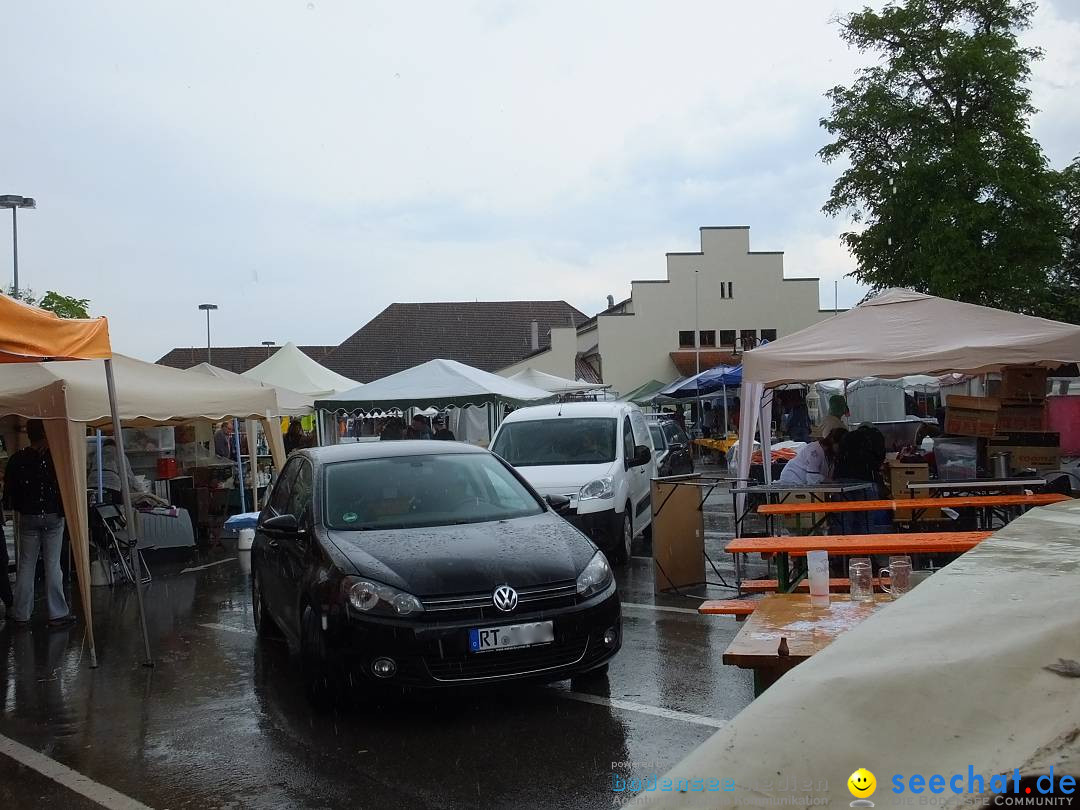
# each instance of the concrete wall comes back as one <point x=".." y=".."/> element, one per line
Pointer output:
<point x="559" y="360"/>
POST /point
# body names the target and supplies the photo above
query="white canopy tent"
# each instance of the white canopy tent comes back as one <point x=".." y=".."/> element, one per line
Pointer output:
<point x="894" y="334"/>
<point x="71" y="396"/>
<point x="436" y="384"/>
<point x="290" y="403"/>
<point x="293" y="370"/>
<point x="554" y="384"/>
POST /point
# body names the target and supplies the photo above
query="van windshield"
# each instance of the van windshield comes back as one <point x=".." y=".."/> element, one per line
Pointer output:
<point x="557" y="442"/>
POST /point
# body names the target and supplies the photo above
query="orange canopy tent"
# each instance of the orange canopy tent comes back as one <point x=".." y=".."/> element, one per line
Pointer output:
<point x="32" y="335"/>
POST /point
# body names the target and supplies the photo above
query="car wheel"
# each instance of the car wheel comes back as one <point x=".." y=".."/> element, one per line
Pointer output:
<point x="620" y="552"/>
<point x="264" y="625"/>
<point x="318" y="684"/>
<point x="593" y="679"/>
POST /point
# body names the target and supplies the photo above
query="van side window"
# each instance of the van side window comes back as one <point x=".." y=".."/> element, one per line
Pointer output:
<point x="627" y="440"/>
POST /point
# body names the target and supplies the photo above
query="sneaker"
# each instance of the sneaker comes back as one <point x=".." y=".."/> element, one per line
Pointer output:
<point x="63" y="621"/>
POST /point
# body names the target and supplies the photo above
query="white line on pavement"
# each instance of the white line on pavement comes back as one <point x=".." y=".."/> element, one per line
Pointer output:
<point x="72" y="780"/>
<point x="641" y="708"/>
<point x="241" y="630"/>
<point x="661" y="608"/>
<point x="208" y="565"/>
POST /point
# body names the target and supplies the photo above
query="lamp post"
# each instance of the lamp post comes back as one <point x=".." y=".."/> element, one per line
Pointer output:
<point x="268" y="344"/>
<point x="15" y="202"/>
<point x="208" y="308"/>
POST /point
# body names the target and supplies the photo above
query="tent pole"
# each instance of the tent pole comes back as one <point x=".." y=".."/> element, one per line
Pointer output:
<point x="725" y="411"/>
<point x="129" y="512"/>
<point x="239" y="464"/>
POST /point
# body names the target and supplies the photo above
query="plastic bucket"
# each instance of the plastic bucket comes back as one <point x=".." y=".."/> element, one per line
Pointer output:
<point x="247" y="537"/>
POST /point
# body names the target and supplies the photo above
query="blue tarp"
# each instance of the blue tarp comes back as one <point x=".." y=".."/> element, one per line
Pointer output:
<point x="707" y="382"/>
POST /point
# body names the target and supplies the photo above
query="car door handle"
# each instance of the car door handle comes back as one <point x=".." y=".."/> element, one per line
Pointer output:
<point x="271" y="542"/>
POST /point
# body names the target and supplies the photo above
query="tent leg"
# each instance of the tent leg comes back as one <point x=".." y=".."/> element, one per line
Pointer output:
<point x="129" y="512"/>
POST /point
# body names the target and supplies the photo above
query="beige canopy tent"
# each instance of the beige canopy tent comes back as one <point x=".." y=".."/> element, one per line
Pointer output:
<point x="895" y="334"/>
<point x="553" y="384"/>
<point x="73" y="396"/>
<point x="290" y="403"/>
<point x="291" y="369"/>
<point x="950" y="677"/>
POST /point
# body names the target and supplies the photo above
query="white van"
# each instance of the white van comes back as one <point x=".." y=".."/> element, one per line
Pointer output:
<point x="599" y="455"/>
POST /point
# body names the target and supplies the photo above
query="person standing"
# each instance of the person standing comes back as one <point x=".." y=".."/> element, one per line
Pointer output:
<point x="814" y="462"/>
<point x="31" y="489"/>
<point x="838" y="411"/>
<point x="224" y="443"/>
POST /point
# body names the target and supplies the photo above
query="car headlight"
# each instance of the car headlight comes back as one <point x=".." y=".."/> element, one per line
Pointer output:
<point x="367" y="596"/>
<point x="600" y="488"/>
<point x="596" y="577"/>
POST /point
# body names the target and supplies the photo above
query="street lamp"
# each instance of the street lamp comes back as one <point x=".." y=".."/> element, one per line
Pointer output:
<point x="268" y="344"/>
<point x="15" y="202"/>
<point x="208" y="308"/>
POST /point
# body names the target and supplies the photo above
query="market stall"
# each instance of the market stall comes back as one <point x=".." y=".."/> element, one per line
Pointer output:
<point x="553" y="384"/>
<point x="899" y="333"/>
<point x="437" y="384"/>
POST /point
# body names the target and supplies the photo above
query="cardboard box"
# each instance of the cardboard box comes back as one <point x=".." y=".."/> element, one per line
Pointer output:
<point x="971" y="416"/>
<point x="1022" y="419"/>
<point x="1041" y="451"/>
<point x="1023" y="384"/>
<point x="900" y="475"/>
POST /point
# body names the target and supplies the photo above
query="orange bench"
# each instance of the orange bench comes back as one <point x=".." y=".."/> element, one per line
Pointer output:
<point x="854" y="544"/>
<point x="739" y="608"/>
<point x="783" y="509"/>
<point x="836" y="585"/>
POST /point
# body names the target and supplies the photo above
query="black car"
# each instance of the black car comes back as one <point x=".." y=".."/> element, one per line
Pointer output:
<point x="425" y="563"/>
<point x="672" y="447"/>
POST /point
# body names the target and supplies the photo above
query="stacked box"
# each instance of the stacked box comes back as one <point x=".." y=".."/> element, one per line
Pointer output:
<point x="971" y="416"/>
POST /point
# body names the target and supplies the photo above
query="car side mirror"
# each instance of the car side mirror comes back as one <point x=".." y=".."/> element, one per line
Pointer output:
<point x="557" y="502"/>
<point x="281" y="525"/>
<point x="642" y="456"/>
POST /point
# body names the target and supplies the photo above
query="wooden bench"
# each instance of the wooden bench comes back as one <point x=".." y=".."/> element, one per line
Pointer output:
<point x="739" y="608"/>
<point x="836" y="585"/>
<point x="850" y="545"/>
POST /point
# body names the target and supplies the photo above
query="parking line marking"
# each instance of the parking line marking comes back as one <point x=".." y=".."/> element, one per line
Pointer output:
<point x="641" y="708"/>
<point x="71" y="779"/>
<point x="241" y="630"/>
<point x="208" y="565"/>
<point x="662" y="608"/>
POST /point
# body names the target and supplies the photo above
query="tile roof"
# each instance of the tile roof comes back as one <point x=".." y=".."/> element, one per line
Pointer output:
<point x="233" y="358"/>
<point x="488" y="335"/>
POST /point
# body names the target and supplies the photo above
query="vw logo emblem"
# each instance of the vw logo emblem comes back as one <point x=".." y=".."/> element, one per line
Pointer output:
<point x="505" y="598"/>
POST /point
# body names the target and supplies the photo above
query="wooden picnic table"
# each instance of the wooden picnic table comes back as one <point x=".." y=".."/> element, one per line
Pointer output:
<point x="850" y="545"/>
<point x="986" y="504"/>
<point x="974" y="486"/>
<point x="807" y="626"/>
<point x="779" y="493"/>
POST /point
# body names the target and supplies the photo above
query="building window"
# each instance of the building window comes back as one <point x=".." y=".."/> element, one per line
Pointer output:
<point x="748" y="338"/>
<point x="686" y="340"/>
<point x="727" y="338"/>
<point x="768" y="334"/>
<point x="708" y="338"/>
<point x="730" y="291"/>
<point x="723" y="289"/>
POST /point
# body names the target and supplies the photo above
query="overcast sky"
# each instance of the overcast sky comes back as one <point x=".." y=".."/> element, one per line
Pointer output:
<point x="304" y="164"/>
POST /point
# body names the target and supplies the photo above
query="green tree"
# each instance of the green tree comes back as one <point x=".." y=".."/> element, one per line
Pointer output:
<point x="951" y="194"/>
<point x="1065" y="279"/>
<point x="64" y="306"/>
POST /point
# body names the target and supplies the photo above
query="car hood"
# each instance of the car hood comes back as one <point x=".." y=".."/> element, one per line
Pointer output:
<point x="469" y="558"/>
<point x="564" y="479"/>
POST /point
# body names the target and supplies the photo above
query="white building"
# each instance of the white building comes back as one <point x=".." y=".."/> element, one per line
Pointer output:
<point x="741" y="297"/>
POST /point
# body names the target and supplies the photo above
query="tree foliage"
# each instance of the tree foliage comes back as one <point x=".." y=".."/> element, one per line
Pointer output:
<point x="950" y="192"/>
<point x="1065" y="278"/>
<point x="64" y="306"/>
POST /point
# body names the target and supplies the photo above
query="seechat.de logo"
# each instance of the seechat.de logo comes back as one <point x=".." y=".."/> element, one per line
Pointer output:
<point x="862" y="785"/>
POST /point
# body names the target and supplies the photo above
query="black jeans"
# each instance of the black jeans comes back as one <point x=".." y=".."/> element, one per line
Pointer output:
<point x="5" y="583"/>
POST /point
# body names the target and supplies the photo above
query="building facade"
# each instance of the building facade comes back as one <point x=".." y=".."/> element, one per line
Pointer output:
<point x="714" y="304"/>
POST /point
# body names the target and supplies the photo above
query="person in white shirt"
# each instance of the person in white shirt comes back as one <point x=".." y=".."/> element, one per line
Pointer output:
<point x="814" y="462"/>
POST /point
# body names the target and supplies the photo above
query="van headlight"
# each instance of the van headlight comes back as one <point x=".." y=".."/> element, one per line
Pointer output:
<point x="596" y="577"/>
<point x="600" y="488"/>
<point x="367" y="596"/>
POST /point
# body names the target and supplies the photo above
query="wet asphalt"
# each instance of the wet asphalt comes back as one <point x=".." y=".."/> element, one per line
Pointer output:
<point x="221" y="720"/>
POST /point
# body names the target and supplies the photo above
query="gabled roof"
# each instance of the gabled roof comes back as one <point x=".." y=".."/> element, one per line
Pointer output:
<point x="236" y="359"/>
<point x="488" y="335"/>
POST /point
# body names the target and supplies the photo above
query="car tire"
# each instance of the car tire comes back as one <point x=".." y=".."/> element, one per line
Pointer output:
<point x="592" y="679"/>
<point x="319" y="686"/>
<point x="264" y="623"/>
<point x="624" y="536"/>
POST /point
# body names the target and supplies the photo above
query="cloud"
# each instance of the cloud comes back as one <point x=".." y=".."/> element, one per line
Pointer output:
<point x="305" y="164"/>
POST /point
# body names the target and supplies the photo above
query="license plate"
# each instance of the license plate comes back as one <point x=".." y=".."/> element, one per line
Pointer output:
<point x="486" y="639"/>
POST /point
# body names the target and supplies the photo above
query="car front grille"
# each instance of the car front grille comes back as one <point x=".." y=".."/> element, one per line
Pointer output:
<point x="505" y="663"/>
<point x="480" y="605"/>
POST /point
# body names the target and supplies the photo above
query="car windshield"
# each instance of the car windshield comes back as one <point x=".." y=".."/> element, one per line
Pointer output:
<point x="411" y="492"/>
<point x="657" y="435"/>
<point x="557" y="442"/>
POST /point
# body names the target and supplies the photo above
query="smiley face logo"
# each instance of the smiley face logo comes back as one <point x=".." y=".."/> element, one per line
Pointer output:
<point x="862" y="784"/>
